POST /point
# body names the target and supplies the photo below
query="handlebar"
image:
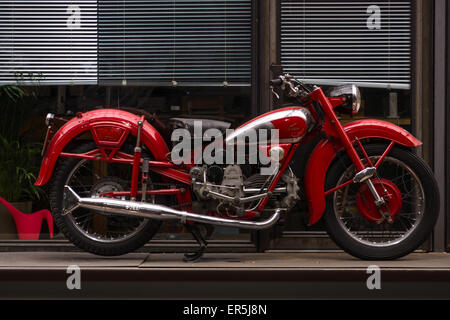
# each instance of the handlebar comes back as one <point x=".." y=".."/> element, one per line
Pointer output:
<point x="294" y="86"/>
<point x="276" y="82"/>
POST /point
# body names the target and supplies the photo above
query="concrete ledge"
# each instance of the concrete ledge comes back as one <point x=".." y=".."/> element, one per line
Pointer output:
<point x="222" y="276"/>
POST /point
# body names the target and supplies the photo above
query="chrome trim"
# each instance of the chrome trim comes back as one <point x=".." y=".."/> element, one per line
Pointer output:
<point x="155" y="211"/>
<point x="46" y="141"/>
<point x="348" y="91"/>
<point x="72" y="219"/>
<point x="365" y="175"/>
<point x="237" y="200"/>
<point x="277" y="154"/>
<point x="254" y="190"/>
<point x="49" y="119"/>
<point x="379" y="201"/>
<point x="265" y="122"/>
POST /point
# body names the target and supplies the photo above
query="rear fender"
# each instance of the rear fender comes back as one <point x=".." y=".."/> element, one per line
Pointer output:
<point x="324" y="154"/>
<point x="109" y="129"/>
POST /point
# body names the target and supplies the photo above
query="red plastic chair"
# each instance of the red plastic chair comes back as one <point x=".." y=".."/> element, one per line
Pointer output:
<point x="29" y="225"/>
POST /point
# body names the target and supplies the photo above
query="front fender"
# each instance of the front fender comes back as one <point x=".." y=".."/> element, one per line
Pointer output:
<point x="324" y="154"/>
<point x="92" y="121"/>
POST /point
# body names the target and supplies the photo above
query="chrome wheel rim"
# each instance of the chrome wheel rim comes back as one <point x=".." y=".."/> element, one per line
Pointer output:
<point x="384" y="235"/>
<point x="97" y="227"/>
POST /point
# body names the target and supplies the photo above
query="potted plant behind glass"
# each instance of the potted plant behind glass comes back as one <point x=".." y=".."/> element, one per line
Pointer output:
<point x="19" y="162"/>
<point x="18" y="165"/>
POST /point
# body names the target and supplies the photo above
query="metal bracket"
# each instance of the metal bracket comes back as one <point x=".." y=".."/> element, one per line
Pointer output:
<point x="365" y="175"/>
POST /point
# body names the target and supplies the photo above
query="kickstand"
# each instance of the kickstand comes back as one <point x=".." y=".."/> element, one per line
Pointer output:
<point x="193" y="257"/>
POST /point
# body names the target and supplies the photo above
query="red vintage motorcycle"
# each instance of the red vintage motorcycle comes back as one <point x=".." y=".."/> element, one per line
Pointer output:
<point x="112" y="179"/>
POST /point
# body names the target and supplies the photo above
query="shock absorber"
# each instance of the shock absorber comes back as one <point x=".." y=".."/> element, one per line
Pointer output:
<point x="145" y="169"/>
<point x="136" y="162"/>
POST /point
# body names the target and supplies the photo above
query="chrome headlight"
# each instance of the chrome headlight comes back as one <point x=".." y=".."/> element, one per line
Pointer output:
<point x="49" y="119"/>
<point x="352" y="95"/>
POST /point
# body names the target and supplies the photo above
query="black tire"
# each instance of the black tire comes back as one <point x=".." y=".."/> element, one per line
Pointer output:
<point x="409" y="243"/>
<point x="77" y="237"/>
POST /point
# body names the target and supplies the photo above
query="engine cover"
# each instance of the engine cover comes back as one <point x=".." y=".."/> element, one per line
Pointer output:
<point x="231" y="185"/>
<point x="233" y="181"/>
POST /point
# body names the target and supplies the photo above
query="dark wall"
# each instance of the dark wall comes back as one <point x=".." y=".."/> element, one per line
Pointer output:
<point x="447" y="93"/>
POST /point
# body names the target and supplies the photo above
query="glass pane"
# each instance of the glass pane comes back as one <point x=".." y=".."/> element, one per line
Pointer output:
<point x="175" y="231"/>
<point x="22" y="129"/>
<point x="341" y="42"/>
<point x="175" y="41"/>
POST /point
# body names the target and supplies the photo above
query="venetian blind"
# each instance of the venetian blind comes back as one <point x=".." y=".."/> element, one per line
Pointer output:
<point x="50" y="42"/>
<point x="367" y="43"/>
<point x="175" y="42"/>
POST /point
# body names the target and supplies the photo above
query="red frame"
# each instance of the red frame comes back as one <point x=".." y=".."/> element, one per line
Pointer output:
<point x="83" y="124"/>
<point x="110" y="128"/>
<point x="342" y="138"/>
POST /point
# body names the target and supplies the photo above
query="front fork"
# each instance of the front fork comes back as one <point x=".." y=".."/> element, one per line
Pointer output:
<point x="364" y="174"/>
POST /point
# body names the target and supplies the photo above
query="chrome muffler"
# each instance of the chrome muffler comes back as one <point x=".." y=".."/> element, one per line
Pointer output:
<point x="108" y="206"/>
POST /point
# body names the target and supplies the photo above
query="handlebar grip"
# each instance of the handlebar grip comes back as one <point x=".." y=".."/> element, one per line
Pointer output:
<point x="276" y="82"/>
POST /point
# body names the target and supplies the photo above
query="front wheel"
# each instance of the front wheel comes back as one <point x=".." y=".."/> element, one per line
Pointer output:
<point x="410" y="190"/>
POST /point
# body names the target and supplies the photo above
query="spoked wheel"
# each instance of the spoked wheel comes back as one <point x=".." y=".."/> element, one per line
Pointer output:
<point x="101" y="234"/>
<point x="411" y="194"/>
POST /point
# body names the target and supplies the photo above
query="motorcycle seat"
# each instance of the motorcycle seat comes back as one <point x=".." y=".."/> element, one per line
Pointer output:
<point x="185" y="123"/>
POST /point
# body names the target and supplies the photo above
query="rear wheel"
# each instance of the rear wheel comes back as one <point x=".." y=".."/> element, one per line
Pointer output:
<point x="410" y="191"/>
<point x="106" y="235"/>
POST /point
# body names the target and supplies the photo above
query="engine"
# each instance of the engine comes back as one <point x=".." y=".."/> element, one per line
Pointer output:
<point x="223" y="189"/>
<point x="228" y="181"/>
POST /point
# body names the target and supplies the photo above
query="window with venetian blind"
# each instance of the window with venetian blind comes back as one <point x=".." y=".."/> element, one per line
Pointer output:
<point x="127" y="42"/>
<point x="175" y="42"/>
<point x="48" y="42"/>
<point x="367" y="43"/>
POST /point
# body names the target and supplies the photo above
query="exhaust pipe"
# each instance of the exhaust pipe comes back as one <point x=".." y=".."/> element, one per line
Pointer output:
<point x="155" y="211"/>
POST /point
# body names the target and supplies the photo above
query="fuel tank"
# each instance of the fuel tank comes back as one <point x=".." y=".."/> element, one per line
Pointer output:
<point x="292" y="123"/>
